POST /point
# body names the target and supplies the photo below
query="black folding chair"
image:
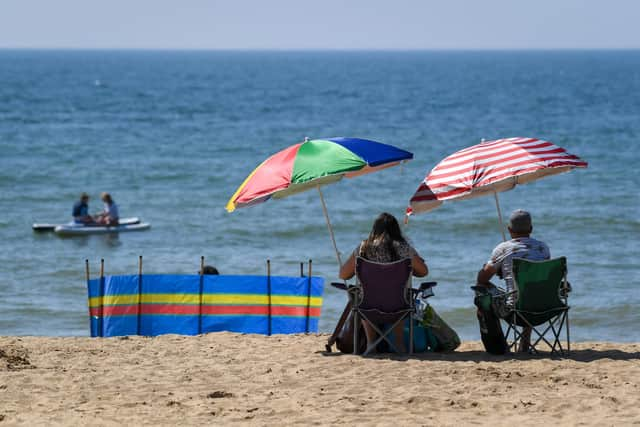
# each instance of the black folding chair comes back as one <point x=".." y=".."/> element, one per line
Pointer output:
<point x="382" y="296"/>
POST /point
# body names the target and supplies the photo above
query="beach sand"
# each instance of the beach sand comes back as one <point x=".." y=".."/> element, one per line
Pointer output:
<point x="224" y="378"/>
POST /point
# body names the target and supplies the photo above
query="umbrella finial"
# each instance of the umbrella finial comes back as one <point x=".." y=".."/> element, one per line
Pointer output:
<point x="306" y="138"/>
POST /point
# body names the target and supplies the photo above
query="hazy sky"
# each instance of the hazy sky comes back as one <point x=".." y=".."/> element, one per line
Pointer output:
<point x="325" y="24"/>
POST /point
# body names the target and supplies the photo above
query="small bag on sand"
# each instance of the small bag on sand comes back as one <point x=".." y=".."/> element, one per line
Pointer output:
<point x="446" y="337"/>
<point x="344" y="340"/>
<point x="490" y="306"/>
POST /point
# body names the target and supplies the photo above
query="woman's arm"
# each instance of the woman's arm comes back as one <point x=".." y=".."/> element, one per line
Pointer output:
<point x="348" y="269"/>
<point x="418" y="265"/>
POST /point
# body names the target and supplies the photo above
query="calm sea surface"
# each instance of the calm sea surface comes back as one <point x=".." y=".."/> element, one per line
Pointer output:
<point x="172" y="134"/>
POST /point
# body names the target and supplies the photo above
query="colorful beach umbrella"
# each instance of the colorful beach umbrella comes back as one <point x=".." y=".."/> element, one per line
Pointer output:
<point x="311" y="164"/>
<point x="489" y="168"/>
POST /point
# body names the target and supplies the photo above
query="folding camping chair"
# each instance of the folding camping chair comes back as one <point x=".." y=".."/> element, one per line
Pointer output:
<point x="382" y="296"/>
<point x="541" y="293"/>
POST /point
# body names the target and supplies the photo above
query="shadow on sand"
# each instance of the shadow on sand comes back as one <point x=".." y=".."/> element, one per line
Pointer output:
<point x="581" y="355"/>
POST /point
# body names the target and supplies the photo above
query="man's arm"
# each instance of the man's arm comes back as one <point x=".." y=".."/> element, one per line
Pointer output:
<point x="485" y="274"/>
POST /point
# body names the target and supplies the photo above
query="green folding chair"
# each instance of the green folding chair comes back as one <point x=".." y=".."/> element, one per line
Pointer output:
<point x="541" y="292"/>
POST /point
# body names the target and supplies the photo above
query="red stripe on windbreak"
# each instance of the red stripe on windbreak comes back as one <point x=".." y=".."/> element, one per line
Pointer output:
<point x="446" y="164"/>
<point x="151" y="309"/>
<point x="481" y="170"/>
<point x="124" y="310"/>
<point x="116" y="310"/>
<point x="276" y="310"/>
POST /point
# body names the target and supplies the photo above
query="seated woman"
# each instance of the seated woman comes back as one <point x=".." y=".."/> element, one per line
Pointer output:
<point x="110" y="215"/>
<point x="385" y="244"/>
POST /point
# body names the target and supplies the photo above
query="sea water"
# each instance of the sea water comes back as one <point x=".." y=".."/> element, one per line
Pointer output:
<point x="172" y="135"/>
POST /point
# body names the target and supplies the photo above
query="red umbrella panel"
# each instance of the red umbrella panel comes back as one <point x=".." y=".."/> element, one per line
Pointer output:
<point x="489" y="168"/>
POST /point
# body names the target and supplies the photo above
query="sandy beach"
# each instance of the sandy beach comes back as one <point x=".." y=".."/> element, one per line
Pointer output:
<point x="224" y="378"/>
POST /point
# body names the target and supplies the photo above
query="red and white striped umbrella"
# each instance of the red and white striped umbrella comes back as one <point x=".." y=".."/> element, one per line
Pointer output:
<point x="489" y="168"/>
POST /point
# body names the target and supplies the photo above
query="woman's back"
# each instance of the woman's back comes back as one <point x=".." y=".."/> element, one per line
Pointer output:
<point x="378" y="252"/>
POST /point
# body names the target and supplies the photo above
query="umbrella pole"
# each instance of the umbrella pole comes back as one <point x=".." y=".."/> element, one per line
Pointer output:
<point x="326" y="217"/>
<point x="495" y="196"/>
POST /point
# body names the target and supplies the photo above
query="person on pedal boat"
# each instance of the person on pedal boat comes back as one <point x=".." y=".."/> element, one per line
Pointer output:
<point x="80" y="210"/>
<point x="110" y="215"/>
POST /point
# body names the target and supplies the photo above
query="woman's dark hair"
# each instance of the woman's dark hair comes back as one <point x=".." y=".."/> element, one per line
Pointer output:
<point x="385" y="232"/>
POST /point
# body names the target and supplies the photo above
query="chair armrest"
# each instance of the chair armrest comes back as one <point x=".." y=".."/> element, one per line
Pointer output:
<point x="427" y="285"/>
<point x="494" y="291"/>
<point x="345" y="286"/>
<point x="340" y="285"/>
<point x="565" y="290"/>
<point x="424" y="291"/>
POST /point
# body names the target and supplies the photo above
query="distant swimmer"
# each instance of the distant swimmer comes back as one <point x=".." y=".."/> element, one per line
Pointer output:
<point x="110" y="214"/>
<point x="81" y="210"/>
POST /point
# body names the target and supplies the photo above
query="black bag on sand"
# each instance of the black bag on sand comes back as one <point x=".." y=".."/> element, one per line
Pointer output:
<point x="344" y="340"/>
<point x="490" y="328"/>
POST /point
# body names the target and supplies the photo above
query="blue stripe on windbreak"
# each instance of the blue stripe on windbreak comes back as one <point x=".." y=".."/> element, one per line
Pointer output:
<point x="152" y="325"/>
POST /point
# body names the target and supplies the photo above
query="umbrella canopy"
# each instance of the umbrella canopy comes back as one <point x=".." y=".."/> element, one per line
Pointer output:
<point x="489" y="168"/>
<point x="311" y="164"/>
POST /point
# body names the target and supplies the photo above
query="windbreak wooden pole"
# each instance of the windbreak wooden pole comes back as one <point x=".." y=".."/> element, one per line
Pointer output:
<point x="86" y="268"/>
<point x="139" y="327"/>
<point x="200" y="294"/>
<point x="101" y="322"/>
<point x="269" y="296"/>
<point x="306" y="328"/>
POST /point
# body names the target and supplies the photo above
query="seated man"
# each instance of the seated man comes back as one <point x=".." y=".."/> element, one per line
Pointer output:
<point x="81" y="210"/>
<point x="521" y="245"/>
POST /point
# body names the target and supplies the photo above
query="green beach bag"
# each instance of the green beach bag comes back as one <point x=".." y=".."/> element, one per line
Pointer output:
<point x="446" y="338"/>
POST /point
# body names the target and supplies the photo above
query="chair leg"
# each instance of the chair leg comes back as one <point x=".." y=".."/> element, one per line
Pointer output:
<point x="553" y="326"/>
<point x="532" y="347"/>
<point x="356" y="328"/>
<point x="541" y="335"/>
<point x="564" y="321"/>
<point x="568" y="341"/>
<point x="382" y="335"/>
<point x="410" y="334"/>
<point x="557" y="333"/>
<point x="517" y="334"/>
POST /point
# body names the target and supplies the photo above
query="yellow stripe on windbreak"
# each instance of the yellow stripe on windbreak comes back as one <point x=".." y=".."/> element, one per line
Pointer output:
<point x="260" y="299"/>
<point x="210" y="299"/>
